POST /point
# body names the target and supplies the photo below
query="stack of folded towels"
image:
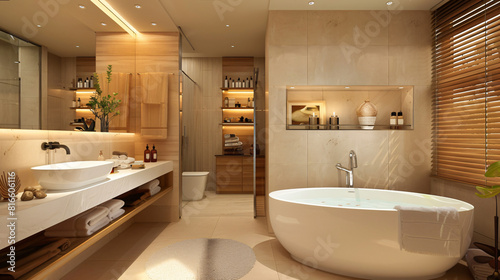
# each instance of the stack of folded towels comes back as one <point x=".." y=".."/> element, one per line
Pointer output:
<point x="231" y="140"/>
<point x="152" y="186"/>
<point x="30" y="253"/>
<point x="232" y="144"/>
<point x="140" y="194"/>
<point x="88" y="222"/>
<point x="480" y="270"/>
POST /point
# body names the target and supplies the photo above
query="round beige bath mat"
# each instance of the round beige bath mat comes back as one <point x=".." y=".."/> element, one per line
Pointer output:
<point x="201" y="259"/>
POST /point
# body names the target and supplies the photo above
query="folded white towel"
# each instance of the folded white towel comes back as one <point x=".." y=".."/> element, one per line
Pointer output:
<point x="155" y="190"/>
<point x="429" y="230"/>
<point x="232" y="140"/>
<point x="239" y="143"/>
<point x="480" y="271"/>
<point x="116" y="213"/>
<point x="83" y="221"/>
<point x="113" y="204"/>
<point x="150" y="185"/>
<point x="226" y="136"/>
<point x="78" y="233"/>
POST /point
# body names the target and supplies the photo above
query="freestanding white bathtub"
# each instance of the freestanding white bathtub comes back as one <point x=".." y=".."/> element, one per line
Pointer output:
<point x="355" y="232"/>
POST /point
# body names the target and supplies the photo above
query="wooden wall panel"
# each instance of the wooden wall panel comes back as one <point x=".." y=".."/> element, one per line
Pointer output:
<point x="155" y="52"/>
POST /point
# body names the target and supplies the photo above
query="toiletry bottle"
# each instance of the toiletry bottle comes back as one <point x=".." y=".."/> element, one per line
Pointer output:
<point x="247" y="83"/>
<point x="251" y="82"/>
<point x="232" y="83"/>
<point x="400" y="119"/>
<point x="154" y="154"/>
<point x="226" y="102"/>
<point x="226" y="82"/>
<point x="147" y="154"/>
<point x="73" y="103"/>
<point x="78" y="103"/>
<point x="238" y="83"/>
<point x="91" y="83"/>
<point x="101" y="156"/>
<point x="393" y="120"/>
<point x="253" y="103"/>
<point x="86" y="83"/>
<point x="249" y="103"/>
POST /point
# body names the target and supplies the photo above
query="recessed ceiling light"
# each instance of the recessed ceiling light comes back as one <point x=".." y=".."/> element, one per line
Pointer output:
<point x="17" y="62"/>
<point x="232" y="46"/>
<point x="401" y="87"/>
<point x="81" y="6"/>
<point x="311" y="3"/>
<point x="137" y="6"/>
<point x="347" y="87"/>
<point x="38" y="25"/>
<point x="388" y="3"/>
<point x="77" y="46"/>
<point x="154" y="24"/>
<point x="292" y="87"/>
<point x="103" y="24"/>
<point x="227" y="25"/>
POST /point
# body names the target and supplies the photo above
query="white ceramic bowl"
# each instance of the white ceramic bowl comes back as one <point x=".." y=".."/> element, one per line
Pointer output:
<point x="71" y="175"/>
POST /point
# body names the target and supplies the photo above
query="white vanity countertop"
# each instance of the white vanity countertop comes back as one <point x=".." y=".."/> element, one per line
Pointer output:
<point x="38" y="214"/>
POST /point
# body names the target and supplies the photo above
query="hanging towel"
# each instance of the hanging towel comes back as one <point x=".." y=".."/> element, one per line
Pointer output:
<point x="429" y="230"/>
<point x="78" y="233"/>
<point x="154" y="87"/>
<point x="116" y="213"/>
<point x="83" y="221"/>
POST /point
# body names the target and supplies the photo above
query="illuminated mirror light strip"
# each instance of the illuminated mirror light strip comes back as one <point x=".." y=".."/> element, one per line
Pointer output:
<point x="115" y="16"/>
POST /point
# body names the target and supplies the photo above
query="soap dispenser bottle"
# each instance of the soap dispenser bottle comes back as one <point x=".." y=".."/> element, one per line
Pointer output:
<point x="147" y="154"/>
<point x="154" y="154"/>
<point x="101" y="156"/>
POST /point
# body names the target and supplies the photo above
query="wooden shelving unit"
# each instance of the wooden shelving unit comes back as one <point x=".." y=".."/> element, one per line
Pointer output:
<point x="80" y="244"/>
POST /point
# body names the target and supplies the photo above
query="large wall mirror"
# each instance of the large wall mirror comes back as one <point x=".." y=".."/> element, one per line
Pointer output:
<point x="19" y="83"/>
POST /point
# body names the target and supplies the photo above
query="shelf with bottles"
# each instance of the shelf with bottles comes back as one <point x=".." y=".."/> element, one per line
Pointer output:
<point x="81" y="107"/>
<point x="83" y="89"/>
<point x="237" y="123"/>
<point x="346" y="127"/>
<point x="375" y="107"/>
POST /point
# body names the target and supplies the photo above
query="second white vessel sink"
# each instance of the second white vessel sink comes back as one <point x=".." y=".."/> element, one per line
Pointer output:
<point x="71" y="175"/>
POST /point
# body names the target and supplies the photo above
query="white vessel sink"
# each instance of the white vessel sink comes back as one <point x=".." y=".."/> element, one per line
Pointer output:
<point x="71" y="175"/>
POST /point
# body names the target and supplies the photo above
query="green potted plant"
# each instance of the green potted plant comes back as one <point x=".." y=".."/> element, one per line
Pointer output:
<point x="486" y="192"/>
<point x="104" y="106"/>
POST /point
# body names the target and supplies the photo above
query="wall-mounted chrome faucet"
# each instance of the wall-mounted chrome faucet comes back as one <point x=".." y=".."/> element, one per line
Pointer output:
<point x="353" y="163"/>
<point x="55" y="145"/>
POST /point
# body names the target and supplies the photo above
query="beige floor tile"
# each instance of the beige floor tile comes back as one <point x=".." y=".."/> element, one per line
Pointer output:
<point x="189" y="228"/>
<point x="98" y="270"/>
<point x="291" y="269"/>
<point x="131" y="243"/>
<point x="262" y="270"/>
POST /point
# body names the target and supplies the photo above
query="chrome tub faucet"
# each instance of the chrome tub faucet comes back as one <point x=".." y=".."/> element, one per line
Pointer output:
<point x="353" y="163"/>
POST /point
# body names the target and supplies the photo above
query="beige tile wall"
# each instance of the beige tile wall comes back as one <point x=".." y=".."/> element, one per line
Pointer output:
<point x="349" y="48"/>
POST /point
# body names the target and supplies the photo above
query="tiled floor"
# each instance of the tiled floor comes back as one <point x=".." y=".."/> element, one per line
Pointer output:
<point x="216" y="216"/>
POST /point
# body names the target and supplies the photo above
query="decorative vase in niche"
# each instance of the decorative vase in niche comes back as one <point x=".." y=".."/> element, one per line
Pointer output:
<point x="367" y="114"/>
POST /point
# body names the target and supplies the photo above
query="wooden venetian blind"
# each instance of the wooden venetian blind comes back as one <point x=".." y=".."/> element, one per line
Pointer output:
<point x="466" y="66"/>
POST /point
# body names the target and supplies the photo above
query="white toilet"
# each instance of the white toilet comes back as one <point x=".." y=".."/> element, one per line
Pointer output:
<point x="193" y="185"/>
